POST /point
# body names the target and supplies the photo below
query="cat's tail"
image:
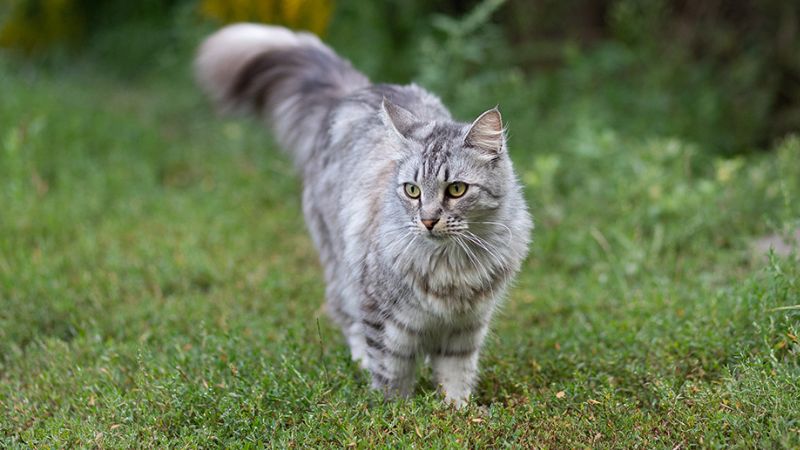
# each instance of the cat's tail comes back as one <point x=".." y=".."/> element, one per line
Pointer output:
<point x="291" y="79"/>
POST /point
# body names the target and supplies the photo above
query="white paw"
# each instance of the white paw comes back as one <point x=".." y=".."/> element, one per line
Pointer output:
<point x="360" y="357"/>
<point x="459" y="402"/>
<point x="358" y="349"/>
<point x="456" y="394"/>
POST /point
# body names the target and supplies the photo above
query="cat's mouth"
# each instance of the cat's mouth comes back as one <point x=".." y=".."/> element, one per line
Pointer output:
<point x="437" y="236"/>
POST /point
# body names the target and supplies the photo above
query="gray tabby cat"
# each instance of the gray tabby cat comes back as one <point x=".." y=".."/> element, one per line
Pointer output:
<point x="419" y="220"/>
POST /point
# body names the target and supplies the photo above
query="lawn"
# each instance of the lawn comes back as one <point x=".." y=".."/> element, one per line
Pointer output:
<point x="158" y="287"/>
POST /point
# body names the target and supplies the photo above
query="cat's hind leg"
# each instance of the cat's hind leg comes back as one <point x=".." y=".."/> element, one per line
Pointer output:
<point x="351" y="329"/>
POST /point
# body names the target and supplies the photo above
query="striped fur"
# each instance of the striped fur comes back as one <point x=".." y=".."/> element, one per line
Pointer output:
<point x="400" y="291"/>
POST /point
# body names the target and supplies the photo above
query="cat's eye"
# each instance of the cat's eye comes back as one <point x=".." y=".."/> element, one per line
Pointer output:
<point x="456" y="189"/>
<point x="412" y="190"/>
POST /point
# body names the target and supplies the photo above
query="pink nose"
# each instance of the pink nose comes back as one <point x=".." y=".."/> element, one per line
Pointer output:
<point x="429" y="223"/>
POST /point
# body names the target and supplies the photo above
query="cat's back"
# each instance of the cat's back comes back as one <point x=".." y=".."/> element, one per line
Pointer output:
<point x="422" y="103"/>
<point x="356" y="118"/>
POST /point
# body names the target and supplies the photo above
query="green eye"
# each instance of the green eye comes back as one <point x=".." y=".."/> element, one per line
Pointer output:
<point x="456" y="189"/>
<point x="412" y="190"/>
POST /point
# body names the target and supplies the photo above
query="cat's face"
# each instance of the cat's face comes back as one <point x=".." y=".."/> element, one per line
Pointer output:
<point x="453" y="179"/>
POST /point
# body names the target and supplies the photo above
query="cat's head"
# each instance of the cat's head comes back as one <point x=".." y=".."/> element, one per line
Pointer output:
<point x="452" y="177"/>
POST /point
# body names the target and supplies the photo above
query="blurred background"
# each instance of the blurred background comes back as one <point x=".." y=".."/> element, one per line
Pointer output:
<point x="157" y="286"/>
<point x="725" y="75"/>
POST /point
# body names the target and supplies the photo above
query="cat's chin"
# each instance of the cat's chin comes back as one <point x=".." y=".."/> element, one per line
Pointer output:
<point x="439" y="238"/>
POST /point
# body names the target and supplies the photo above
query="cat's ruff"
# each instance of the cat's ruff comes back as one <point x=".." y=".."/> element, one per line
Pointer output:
<point x="419" y="220"/>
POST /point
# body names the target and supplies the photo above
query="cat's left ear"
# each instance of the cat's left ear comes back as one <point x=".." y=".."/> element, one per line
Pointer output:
<point x="487" y="133"/>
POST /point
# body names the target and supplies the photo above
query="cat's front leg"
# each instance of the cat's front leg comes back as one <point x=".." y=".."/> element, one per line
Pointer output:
<point x="455" y="365"/>
<point x="456" y="376"/>
<point x="391" y="363"/>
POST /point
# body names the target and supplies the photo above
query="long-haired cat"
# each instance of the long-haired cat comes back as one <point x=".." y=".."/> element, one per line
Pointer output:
<point x="419" y="219"/>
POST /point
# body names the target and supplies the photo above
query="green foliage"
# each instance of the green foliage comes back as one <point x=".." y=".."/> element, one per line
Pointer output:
<point x="633" y="22"/>
<point x="35" y="24"/>
<point x="717" y="66"/>
<point x="382" y="36"/>
<point x="461" y="56"/>
<point x="157" y="288"/>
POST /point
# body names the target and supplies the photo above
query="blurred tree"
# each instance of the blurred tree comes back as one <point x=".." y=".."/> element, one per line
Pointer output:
<point x="34" y="25"/>
<point x="748" y="51"/>
<point x="731" y="66"/>
<point x="754" y="46"/>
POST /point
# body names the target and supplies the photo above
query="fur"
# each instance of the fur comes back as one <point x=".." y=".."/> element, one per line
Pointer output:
<point x="405" y="277"/>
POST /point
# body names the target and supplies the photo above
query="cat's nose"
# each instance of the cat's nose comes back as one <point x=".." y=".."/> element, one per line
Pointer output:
<point x="429" y="223"/>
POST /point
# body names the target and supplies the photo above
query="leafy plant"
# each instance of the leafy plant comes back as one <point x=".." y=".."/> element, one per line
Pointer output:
<point x="461" y="56"/>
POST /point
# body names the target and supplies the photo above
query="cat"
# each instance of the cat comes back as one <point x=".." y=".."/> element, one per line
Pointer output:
<point x="419" y="220"/>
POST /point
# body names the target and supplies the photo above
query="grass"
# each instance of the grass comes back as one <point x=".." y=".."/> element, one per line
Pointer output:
<point x="158" y="288"/>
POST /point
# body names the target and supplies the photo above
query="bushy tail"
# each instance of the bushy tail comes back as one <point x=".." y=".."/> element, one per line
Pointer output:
<point x="292" y="79"/>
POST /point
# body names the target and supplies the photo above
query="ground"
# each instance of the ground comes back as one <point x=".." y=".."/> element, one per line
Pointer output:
<point x="158" y="287"/>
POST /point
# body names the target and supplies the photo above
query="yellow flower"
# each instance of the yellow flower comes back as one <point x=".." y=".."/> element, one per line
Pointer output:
<point x="311" y="15"/>
<point x="33" y="24"/>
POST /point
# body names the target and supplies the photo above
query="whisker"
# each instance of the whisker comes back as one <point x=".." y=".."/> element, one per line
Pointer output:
<point x="478" y="261"/>
<point x="467" y="252"/>
<point x="408" y="245"/>
<point x="484" y="246"/>
<point x="408" y="227"/>
<point x="482" y="268"/>
<point x="361" y="260"/>
<point x="510" y="233"/>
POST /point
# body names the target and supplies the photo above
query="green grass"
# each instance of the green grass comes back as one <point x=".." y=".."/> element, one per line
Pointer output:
<point x="158" y="288"/>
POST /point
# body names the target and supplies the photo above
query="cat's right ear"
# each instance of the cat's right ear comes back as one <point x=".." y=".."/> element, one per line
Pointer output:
<point x="397" y="118"/>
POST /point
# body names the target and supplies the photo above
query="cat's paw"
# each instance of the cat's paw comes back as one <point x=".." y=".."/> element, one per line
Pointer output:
<point x="359" y="356"/>
<point x="457" y="402"/>
<point x="358" y="349"/>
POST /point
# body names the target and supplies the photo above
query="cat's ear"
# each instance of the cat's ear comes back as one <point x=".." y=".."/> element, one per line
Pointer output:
<point x="487" y="133"/>
<point x="398" y="118"/>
